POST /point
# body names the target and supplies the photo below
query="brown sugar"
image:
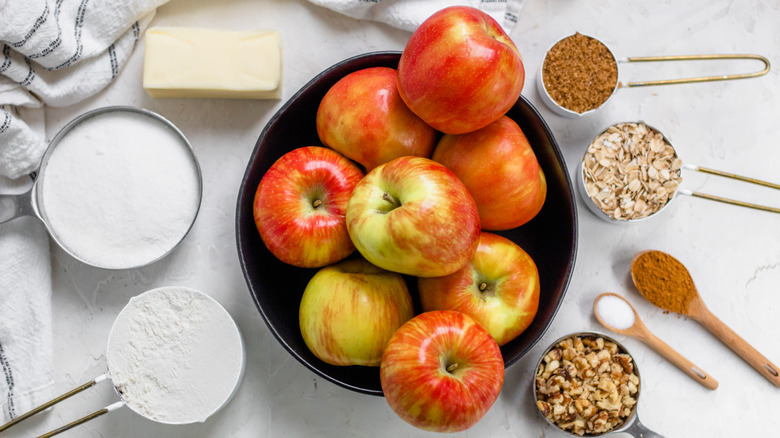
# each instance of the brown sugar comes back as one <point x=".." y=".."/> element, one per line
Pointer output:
<point x="579" y="73"/>
<point x="664" y="281"/>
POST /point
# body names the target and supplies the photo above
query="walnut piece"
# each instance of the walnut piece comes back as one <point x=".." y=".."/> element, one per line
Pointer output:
<point x="586" y="385"/>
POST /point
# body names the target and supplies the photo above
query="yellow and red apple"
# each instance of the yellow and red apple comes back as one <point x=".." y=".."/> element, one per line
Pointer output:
<point x="499" y="288"/>
<point x="363" y="117"/>
<point x="460" y="71"/>
<point x="300" y="204"/>
<point x="441" y="371"/>
<point x="413" y="216"/>
<point x="349" y="310"/>
<point x="500" y="169"/>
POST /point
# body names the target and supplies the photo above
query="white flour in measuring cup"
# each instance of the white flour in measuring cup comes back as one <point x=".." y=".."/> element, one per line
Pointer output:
<point x="175" y="355"/>
<point x="120" y="190"/>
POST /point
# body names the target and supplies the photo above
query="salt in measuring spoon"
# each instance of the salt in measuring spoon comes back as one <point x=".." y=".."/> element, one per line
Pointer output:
<point x="606" y="303"/>
<point x="656" y="273"/>
<point x="565" y="112"/>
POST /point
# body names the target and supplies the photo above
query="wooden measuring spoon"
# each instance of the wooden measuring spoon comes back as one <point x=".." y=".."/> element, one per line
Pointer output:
<point x="640" y="331"/>
<point x="653" y="280"/>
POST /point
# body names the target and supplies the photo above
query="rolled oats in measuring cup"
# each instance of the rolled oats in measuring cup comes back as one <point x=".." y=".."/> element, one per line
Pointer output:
<point x="631" y="172"/>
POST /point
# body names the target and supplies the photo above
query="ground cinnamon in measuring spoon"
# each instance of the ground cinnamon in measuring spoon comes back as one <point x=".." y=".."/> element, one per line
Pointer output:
<point x="663" y="281"/>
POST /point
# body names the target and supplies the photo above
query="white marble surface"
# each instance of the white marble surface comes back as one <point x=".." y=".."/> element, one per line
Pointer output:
<point x="733" y="253"/>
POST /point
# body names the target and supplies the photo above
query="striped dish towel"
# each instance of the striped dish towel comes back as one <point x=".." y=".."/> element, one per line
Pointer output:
<point x="58" y="52"/>
<point x="408" y="14"/>
<point x="52" y="52"/>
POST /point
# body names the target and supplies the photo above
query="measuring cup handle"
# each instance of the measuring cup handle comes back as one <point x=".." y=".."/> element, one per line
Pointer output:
<point x="14" y="206"/>
<point x="638" y="430"/>
<point x="83" y="420"/>
<point x="754" y="74"/>
<point x="53" y="402"/>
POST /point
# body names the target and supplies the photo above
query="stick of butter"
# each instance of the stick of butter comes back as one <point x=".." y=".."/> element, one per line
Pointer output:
<point x="192" y="62"/>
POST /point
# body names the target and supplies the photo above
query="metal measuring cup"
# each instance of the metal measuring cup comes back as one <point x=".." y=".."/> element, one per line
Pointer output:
<point x="565" y="112"/>
<point x="631" y="425"/>
<point x="596" y="210"/>
<point x="111" y="346"/>
<point x="30" y="203"/>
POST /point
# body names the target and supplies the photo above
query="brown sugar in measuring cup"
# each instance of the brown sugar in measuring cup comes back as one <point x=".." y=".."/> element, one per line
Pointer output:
<point x="580" y="73"/>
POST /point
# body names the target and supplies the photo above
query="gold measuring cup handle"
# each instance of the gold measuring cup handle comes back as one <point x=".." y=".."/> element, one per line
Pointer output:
<point x="84" y="419"/>
<point x="697" y="58"/>
<point x="729" y="201"/>
<point x="53" y="402"/>
<point x="730" y="176"/>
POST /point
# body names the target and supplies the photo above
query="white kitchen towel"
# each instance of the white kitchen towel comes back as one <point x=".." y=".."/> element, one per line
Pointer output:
<point x="26" y="376"/>
<point x="54" y="52"/>
<point x="408" y="14"/>
<point x="58" y="52"/>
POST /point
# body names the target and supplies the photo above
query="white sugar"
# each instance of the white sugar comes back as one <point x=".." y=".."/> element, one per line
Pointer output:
<point x="615" y="312"/>
<point x="120" y="190"/>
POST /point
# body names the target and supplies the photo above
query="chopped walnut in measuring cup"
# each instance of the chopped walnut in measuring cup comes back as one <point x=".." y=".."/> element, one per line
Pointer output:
<point x="586" y="385"/>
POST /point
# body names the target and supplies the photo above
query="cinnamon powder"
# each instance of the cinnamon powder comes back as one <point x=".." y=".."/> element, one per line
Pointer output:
<point x="579" y="73"/>
<point x="664" y="281"/>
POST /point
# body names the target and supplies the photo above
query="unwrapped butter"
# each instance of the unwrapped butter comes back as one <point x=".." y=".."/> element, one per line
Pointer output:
<point x="193" y="62"/>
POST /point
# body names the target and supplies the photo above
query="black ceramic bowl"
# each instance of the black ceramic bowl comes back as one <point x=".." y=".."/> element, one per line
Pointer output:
<point x="550" y="238"/>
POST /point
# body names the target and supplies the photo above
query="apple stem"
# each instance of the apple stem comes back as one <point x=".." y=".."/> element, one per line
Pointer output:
<point x="316" y="203"/>
<point x="482" y="286"/>
<point x="452" y="367"/>
<point x="389" y="198"/>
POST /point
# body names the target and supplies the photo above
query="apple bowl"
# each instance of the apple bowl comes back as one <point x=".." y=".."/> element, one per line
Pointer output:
<point x="276" y="288"/>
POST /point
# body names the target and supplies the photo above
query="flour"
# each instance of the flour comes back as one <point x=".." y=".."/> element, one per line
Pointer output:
<point x="175" y="355"/>
<point x="120" y="190"/>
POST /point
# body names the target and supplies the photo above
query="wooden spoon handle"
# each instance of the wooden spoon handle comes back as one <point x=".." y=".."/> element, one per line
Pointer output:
<point x="740" y="346"/>
<point x="680" y="361"/>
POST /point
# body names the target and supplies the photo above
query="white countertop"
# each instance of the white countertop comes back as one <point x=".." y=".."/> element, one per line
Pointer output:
<point x="733" y="253"/>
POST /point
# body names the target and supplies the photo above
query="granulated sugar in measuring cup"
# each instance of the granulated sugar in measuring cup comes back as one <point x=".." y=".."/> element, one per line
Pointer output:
<point x="117" y="188"/>
<point x="580" y="73"/>
<point x="174" y="356"/>
<point x="631" y="172"/>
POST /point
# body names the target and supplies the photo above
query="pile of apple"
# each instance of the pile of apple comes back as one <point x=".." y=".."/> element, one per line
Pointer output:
<point x="443" y="164"/>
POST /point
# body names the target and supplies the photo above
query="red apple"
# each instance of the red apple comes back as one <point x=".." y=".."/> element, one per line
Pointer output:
<point x="363" y="117"/>
<point x="413" y="216"/>
<point x="498" y="166"/>
<point x="499" y="288"/>
<point x="460" y="71"/>
<point x="441" y="371"/>
<point x="350" y="309"/>
<point x="300" y="204"/>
